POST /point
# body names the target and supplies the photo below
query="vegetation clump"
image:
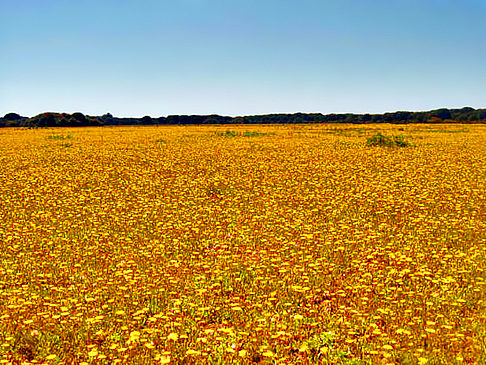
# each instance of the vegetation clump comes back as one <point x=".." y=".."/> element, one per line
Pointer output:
<point x="387" y="141"/>
<point x="58" y="137"/>
<point x="239" y="134"/>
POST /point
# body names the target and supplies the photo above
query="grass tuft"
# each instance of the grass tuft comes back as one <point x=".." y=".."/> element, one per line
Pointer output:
<point x="57" y="137"/>
<point x="244" y="134"/>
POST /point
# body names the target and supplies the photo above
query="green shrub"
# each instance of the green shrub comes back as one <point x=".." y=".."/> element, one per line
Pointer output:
<point x="386" y="141"/>
<point x="239" y="134"/>
<point x="254" y="134"/>
<point x="227" y="134"/>
<point x="400" y="141"/>
<point x="58" y="137"/>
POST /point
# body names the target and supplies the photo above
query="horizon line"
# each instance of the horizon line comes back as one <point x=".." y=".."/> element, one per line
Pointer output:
<point x="249" y="115"/>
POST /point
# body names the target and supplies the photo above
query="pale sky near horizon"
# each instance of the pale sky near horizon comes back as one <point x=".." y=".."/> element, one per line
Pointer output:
<point x="240" y="57"/>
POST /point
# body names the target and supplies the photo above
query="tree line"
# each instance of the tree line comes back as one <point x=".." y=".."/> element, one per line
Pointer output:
<point x="51" y="119"/>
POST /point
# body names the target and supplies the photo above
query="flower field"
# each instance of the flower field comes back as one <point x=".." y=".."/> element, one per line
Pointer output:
<point x="295" y="244"/>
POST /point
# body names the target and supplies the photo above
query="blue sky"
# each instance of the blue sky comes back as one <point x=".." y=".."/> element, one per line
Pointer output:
<point x="240" y="57"/>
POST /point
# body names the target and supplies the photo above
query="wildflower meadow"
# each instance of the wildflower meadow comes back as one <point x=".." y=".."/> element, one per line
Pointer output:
<point x="270" y="244"/>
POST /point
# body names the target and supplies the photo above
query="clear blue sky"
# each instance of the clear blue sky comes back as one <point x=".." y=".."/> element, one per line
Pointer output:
<point x="239" y="57"/>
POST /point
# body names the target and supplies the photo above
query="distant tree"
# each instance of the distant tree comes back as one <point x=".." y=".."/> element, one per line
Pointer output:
<point x="147" y="120"/>
<point x="80" y="119"/>
<point x="12" y="116"/>
<point x="107" y="117"/>
<point x="435" y="120"/>
<point x="366" y="118"/>
<point x="464" y="115"/>
<point x="474" y="117"/>
<point x="441" y="113"/>
<point x="402" y="116"/>
<point x="79" y="116"/>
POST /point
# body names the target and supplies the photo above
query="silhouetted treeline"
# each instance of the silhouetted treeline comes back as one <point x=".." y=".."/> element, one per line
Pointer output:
<point x="464" y="115"/>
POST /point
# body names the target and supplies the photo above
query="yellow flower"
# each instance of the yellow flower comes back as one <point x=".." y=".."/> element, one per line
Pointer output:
<point x="173" y="337"/>
<point x="193" y="352"/>
<point x="304" y="348"/>
<point x="268" y="353"/>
